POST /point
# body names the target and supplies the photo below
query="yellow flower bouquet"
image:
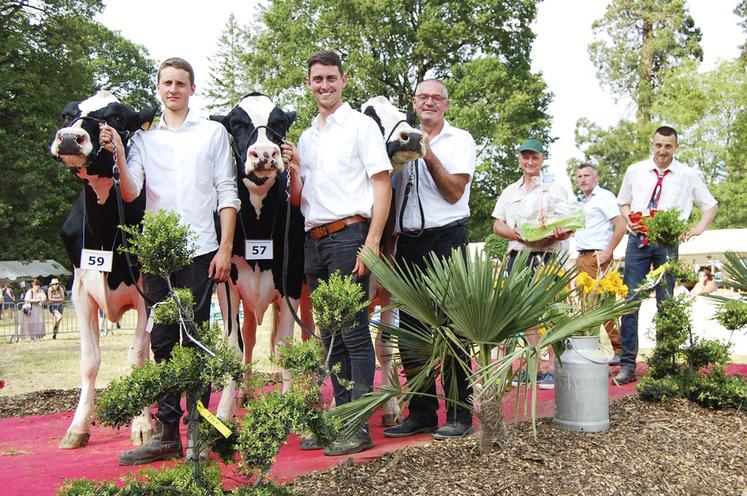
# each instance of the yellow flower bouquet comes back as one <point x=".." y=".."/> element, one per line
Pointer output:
<point x="594" y="292"/>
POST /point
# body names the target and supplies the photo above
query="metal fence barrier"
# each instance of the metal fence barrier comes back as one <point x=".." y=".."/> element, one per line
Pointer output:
<point x="11" y="325"/>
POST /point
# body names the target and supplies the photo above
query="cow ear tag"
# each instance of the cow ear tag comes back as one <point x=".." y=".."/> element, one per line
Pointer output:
<point x="258" y="249"/>
<point x="100" y="260"/>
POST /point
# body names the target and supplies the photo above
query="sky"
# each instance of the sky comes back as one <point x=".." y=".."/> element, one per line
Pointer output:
<point x="563" y="27"/>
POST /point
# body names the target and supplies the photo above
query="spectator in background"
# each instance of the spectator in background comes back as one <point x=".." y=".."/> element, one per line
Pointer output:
<point x="56" y="295"/>
<point x="32" y="323"/>
<point x="9" y="301"/>
<point x="705" y="284"/>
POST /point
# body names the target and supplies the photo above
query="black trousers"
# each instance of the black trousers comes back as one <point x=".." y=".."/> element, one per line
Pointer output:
<point x="163" y="338"/>
<point x="423" y="408"/>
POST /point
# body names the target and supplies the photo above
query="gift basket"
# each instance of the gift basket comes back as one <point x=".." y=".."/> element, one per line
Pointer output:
<point x="546" y="208"/>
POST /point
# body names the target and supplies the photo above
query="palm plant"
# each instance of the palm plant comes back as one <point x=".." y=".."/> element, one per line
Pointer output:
<point x="473" y="305"/>
<point x="732" y="313"/>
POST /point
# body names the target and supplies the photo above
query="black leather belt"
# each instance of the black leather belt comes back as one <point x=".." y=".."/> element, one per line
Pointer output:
<point x="584" y="252"/>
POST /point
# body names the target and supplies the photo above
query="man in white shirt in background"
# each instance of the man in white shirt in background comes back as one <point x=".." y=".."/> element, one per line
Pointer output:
<point x="531" y="156"/>
<point x="604" y="230"/>
<point x="660" y="183"/>
<point x="432" y="208"/>
<point x="340" y="177"/>
<point x="185" y="164"/>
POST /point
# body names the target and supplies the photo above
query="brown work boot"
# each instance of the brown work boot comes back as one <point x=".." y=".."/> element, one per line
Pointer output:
<point x="166" y="444"/>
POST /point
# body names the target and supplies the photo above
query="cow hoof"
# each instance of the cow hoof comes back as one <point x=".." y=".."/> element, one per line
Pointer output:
<point x="74" y="440"/>
<point x="389" y="419"/>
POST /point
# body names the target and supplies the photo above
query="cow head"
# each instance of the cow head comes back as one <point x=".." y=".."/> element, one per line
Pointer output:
<point x="258" y="127"/>
<point x="77" y="143"/>
<point x="404" y="142"/>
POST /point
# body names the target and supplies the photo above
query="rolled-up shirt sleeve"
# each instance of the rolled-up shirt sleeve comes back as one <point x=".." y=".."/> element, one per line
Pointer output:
<point x="701" y="196"/>
<point x="499" y="212"/>
<point x="135" y="162"/>
<point x="224" y="176"/>
<point x="373" y="149"/>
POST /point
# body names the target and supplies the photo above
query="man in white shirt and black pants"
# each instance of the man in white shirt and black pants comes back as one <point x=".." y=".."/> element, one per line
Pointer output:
<point x="185" y="165"/>
<point x="432" y="208"/>
<point x="340" y="177"/>
<point x="657" y="183"/>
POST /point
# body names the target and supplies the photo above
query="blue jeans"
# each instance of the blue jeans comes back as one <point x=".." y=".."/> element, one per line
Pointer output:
<point x="352" y="349"/>
<point x="638" y="263"/>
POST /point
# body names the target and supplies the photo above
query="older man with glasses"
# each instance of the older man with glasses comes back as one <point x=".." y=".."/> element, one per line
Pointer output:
<point x="431" y="210"/>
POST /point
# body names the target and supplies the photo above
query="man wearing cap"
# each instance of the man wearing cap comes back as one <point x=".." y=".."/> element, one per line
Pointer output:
<point x="56" y="297"/>
<point x="661" y="183"/>
<point x="605" y="227"/>
<point x="432" y="208"/>
<point x="506" y="213"/>
<point x="340" y="177"/>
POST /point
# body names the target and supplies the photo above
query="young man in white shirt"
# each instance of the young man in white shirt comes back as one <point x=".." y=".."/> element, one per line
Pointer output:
<point x="340" y="177"/>
<point x="659" y="183"/>
<point x="604" y="230"/>
<point x="432" y="208"/>
<point x="185" y="165"/>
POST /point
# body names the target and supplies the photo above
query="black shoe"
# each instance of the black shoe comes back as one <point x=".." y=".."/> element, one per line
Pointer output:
<point x="625" y="375"/>
<point x="615" y="360"/>
<point x="408" y="428"/>
<point x="309" y="444"/>
<point x="453" y="430"/>
<point x="360" y="442"/>
<point x="166" y="444"/>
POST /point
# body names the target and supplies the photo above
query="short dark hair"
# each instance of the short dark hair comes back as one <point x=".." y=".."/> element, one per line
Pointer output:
<point x="667" y="131"/>
<point x="584" y="165"/>
<point x="325" y="57"/>
<point x="177" y="63"/>
<point x="707" y="271"/>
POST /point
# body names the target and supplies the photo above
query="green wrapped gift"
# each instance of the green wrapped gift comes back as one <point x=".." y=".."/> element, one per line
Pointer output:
<point x="532" y="230"/>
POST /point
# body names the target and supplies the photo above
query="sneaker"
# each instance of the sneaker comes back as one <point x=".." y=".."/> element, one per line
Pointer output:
<point x="546" y="380"/>
<point x="625" y="375"/>
<point x="360" y="442"/>
<point x="615" y="360"/>
<point x="408" y="428"/>
<point x="520" y="378"/>
<point x="453" y="430"/>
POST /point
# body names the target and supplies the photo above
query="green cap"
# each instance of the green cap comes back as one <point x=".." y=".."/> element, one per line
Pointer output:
<point x="532" y="145"/>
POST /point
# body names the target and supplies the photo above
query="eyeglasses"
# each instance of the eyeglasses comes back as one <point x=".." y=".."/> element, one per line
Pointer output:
<point x="424" y="97"/>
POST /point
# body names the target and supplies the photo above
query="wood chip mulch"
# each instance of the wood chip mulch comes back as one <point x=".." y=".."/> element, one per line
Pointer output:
<point x="671" y="448"/>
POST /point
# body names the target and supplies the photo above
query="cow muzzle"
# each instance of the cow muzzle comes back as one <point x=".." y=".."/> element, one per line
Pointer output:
<point x="264" y="160"/>
<point x="405" y="147"/>
<point x="72" y="146"/>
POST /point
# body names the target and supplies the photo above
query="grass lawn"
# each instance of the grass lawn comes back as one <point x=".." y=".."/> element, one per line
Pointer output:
<point x="54" y="364"/>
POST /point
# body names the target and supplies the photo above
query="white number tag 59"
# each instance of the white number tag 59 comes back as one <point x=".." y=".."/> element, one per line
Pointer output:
<point x="100" y="260"/>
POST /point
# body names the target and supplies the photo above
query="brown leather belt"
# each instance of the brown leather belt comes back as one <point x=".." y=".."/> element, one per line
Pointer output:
<point x="319" y="232"/>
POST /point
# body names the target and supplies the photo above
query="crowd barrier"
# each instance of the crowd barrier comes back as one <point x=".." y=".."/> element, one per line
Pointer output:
<point x="13" y="316"/>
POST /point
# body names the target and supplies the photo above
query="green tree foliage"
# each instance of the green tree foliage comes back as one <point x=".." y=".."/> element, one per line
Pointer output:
<point x="228" y="80"/>
<point x="480" y="48"/>
<point x="741" y="11"/>
<point x="52" y="53"/>
<point x="637" y="42"/>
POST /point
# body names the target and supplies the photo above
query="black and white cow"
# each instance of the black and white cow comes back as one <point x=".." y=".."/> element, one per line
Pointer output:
<point x="92" y="224"/>
<point x="258" y="127"/>
<point x="404" y="143"/>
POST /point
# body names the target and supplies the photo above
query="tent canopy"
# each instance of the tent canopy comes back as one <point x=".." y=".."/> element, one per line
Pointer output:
<point x="12" y="270"/>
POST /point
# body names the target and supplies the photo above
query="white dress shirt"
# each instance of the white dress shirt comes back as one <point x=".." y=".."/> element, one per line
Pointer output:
<point x="510" y="203"/>
<point x="680" y="188"/>
<point x="337" y="162"/>
<point x="456" y="150"/>
<point x="599" y="209"/>
<point x="189" y="170"/>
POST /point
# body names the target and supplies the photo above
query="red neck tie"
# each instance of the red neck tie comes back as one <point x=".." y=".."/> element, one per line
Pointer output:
<point x="656" y="193"/>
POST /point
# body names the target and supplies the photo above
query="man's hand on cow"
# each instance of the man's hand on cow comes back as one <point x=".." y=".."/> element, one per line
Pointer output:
<point x="290" y="155"/>
<point x="109" y="136"/>
<point x="220" y="266"/>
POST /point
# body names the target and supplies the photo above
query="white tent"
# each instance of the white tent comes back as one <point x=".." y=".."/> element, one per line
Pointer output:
<point x="12" y="270"/>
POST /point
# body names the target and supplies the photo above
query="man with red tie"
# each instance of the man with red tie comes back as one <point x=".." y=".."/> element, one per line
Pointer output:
<point x="660" y="183"/>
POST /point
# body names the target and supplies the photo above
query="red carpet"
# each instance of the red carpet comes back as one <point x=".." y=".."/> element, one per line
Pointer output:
<point x="32" y="464"/>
